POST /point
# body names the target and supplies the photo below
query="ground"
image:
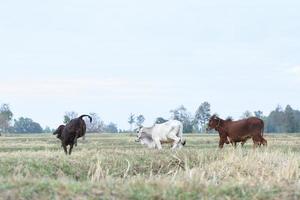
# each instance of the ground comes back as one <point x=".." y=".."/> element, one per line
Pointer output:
<point x="115" y="167"/>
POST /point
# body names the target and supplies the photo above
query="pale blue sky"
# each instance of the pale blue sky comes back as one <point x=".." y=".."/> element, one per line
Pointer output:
<point x="116" y="57"/>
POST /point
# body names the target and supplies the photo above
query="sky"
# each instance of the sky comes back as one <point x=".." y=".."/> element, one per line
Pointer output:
<point x="119" y="57"/>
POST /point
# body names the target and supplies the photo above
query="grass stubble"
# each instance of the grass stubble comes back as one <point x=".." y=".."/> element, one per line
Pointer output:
<point x="114" y="167"/>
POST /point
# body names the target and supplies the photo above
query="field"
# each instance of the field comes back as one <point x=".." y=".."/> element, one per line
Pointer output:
<point x="115" y="167"/>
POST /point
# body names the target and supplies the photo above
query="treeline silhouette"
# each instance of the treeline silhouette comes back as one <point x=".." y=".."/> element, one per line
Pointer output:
<point x="280" y="120"/>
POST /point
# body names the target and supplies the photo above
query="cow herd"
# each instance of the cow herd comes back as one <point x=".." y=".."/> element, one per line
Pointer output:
<point x="172" y="132"/>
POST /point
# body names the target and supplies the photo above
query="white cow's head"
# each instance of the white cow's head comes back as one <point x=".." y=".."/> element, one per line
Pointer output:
<point x="144" y="137"/>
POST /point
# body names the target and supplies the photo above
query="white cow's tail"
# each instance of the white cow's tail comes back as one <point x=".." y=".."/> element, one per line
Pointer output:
<point x="182" y="140"/>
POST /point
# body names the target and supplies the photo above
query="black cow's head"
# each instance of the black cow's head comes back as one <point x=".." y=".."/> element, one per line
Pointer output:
<point x="59" y="131"/>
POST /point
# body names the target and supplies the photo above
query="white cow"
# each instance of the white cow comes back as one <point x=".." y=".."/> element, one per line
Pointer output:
<point x="168" y="132"/>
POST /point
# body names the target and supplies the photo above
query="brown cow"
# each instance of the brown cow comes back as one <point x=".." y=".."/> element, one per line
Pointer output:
<point x="242" y="141"/>
<point x="238" y="131"/>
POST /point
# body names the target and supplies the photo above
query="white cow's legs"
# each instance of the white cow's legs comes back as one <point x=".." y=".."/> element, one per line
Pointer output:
<point x="179" y="145"/>
<point x="176" y="142"/>
<point x="158" y="144"/>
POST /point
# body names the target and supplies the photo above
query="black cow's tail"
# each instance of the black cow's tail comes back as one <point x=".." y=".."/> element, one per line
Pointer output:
<point x="82" y="116"/>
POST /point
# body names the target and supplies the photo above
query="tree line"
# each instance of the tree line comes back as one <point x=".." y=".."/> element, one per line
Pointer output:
<point x="20" y="125"/>
<point x="280" y="120"/>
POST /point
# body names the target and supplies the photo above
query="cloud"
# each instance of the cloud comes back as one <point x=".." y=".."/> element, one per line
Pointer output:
<point x="110" y="88"/>
<point x="295" y="70"/>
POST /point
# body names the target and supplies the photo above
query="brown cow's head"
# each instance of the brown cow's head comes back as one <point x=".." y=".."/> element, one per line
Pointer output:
<point x="213" y="123"/>
<point x="59" y="131"/>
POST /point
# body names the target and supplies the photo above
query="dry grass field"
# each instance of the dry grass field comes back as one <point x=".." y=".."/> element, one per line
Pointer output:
<point x="115" y="167"/>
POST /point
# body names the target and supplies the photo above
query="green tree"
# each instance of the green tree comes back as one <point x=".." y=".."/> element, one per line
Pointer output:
<point x="140" y="119"/>
<point x="181" y="114"/>
<point x="97" y="125"/>
<point x="259" y="114"/>
<point x="6" y="116"/>
<point x="131" y="120"/>
<point x="27" y="125"/>
<point x="202" y="116"/>
<point x="247" y="114"/>
<point x="229" y="118"/>
<point x="69" y="116"/>
<point x="275" y="121"/>
<point x="290" y="120"/>
<point x="297" y="120"/>
<point x="111" y="128"/>
<point x="47" y="129"/>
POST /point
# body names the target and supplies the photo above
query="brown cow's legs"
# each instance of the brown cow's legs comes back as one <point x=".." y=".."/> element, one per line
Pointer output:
<point x="243" y="143"/>
<point x="223" y="140"/>
<point x="264" y="141"/>
<point x="258" y="139"/>
<point x="227" y="141"/>
<point x="255" y="142"/>
<point x="235" y="143"/>
<point x="221" y="144"/>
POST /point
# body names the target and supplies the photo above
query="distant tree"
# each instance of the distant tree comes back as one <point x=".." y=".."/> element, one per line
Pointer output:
<point x="290" y="120"/>
<point x="258" y="114"/>
<point x="181" y="114"/>
<point x="123" y="131"/>
<point x="246" y="114"/>
<point x="279" y="108"/>
<point x="69" y="116"/>
<point x="97" y="125"/>
<point x="140" y="119"/>
<point x="229" y="118"/>
<point x="275" y="121"/>
<point x="131" y="120"/>
<point x="47" y="130"/>
<point x="297" y="120"/>
<point x="6" y="116"/>
<point x="160" y="120"/>
<point x="27" y="125"/>
<point x="111" y="128"/>
<point x="202" y="116"/>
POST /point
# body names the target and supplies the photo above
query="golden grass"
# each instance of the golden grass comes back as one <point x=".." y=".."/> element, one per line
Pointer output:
<point x="114" y="167"/>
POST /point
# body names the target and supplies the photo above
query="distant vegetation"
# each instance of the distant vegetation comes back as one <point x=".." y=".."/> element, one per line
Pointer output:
<point x="280" y="120"/>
